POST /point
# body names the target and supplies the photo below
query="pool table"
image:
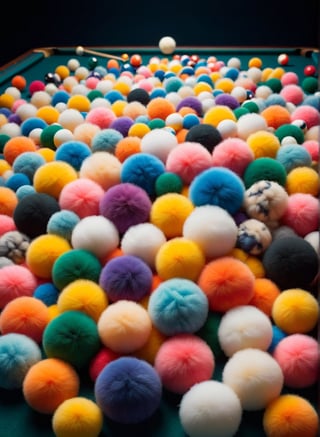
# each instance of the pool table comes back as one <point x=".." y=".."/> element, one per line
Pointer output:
<point x="16" y="418"/>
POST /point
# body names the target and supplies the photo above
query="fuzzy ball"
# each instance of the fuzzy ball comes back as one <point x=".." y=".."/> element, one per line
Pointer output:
<point x="47" y="293"/>
<point x="128" y="390"/>
<point x="27" y="163"/>
<point x="212" y="228"/>
<point x="290" y="414"/>
<point x="253" y="262"/>
<point x="77" y="417"/>
<point x="218" y="186"/>
<point x="125" y="205"/>
<point x="302" y="213"/>
<point x="51" y="177"/>
<point x="263" y="143"/>
<point x="299" y="358"/>
<point x="265" y="293"/>
<point x="169" y="212"/>
<point x="85" y="296"/>
<point x="101" y="116"/>
<point x="14" y="245"/>
<point x="62" y="223"/>
<point x="48" y="383"/>
<point x="295" y="310"/>
<point x="96" y="234"/>
<point x="42" y="253"/>
<point x="25" y="315"/>
<point x="244" y="327"/>
<point x="265" y="201"/>
<point x="15" y="281"/>
<point x="227" y="282"/>
<point x="6" y="223"/>
<point x="182" y="361"/>
<point x="313" y="238"/>
<point x="126" y="277"/>
<point x="210" y="408"/>
<point x="18" y="353"/>
<point x="72" y="337"/>
<point x="150" y="349"/>
<point x="8" y="201"/>
<point x="292" y="156"/>
<point x="253" y="236"/>
<point x="103" y="168"/>
<point x="143" y="240"/>
<point x="303" y="179"/>
<point x="106" y="140"/>
<point x="178" y="306"/>
<point x="255" y="376"/>
<point x="265" y="168"/>
<point x="33" y="212"/>
<point x="158" y="142"/>
<point x="179" y="257"/>
<point x="103" y="357"/>
<point x="290" y="262"/>
<point x="308" y="114"/>
<point x="234" y="154"/>
<point x="73" y="152"/>
<point x="205" y="134"/>
<point x="82" y="197"/>
<point x="249" y="123"/>
<point x="276" y="115"/>
<point x="188" y="160"/>
<point x="124" y="326"/>
<point x="17" y="145"/>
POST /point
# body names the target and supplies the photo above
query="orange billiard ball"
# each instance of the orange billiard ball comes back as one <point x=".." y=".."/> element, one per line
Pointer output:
<point x="136" y="60"/>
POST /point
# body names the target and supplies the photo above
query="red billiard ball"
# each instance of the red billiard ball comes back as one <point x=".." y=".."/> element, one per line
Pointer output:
<point x="136" y="60"/>
<point x="283" y="59"/>
<point x="310" y="70"/>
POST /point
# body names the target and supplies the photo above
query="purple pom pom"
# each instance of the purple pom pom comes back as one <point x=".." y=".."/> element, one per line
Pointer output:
<point x="125" y="205"/>
<point x="227" y="100"/>
<point x="126" y="277"/>
<point x="122" y="125"/>
<point x="191" y="102"/>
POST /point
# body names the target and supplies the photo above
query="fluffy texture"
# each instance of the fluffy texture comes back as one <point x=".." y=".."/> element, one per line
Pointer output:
<point x="73" y="152"/>
<point x="77" y="417"/>
<point x="158" y="142"/>
<point x="290" y="414"/>
<point x="208" y="406"/>
<point x="234" y="154"/>
<point x="48" y="383"/>
<point x="255" y="376"/>
<point x="124" y="326"/>
<point x="263" y="143"/>
<point x="15" y="281"/>
<point x="125" y="205"/>
<point x="213" y="229"/>
<point x="295" y="311"/>
<point x="51" y="177"/>
<point x="126" y="277"/>
<point x="8" y="201"/>
<point x="18" y="353"/>
<point x="103" y="357"/>
<point x="82" y="197"/>
<point x="150" y="349"/>
<point x="205" y="134"/>
<point x="264" y="169"/>
<point x="179" y="257"/>
<point x="291" y="156"/>
<point x="182" y="361"/>
<point x="244" y="327"/>
<point x="25" y="315"/>
<point x="75" y="264"/>
<point x="103" y="168"/>
<point x="106" y="140"/>
<point x="218" y="186"/>
<point x="62" y="223"/>
<point x="13" y="245"/>
<point x="178" y="306"/>
<point x="253" y="236"/>
<point x="73" y="337"/>
<point x="47" y="292"/>
<point x="227" y="282"/>
<point x="265" y="293"/>
<point x="303" y="179"/>
<point x="128" y="390"/>
<point x="299" y="358"/>
<point x="302" y="213"/>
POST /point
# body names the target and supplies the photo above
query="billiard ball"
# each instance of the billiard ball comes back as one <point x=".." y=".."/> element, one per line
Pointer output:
<point x="283" y="59"/>
<point x="52" y="78"/>
<point x="136" y="60"/>
<point x="92" y="63"/>
<point x="167" y="45"/>
<point x="310" y="70"/>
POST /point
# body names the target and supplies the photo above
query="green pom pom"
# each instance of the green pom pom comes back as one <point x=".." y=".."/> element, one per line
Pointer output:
<point x="275" y="84"/>
<point x="3" y="139"/>
<point x="251" y="106"/>
<point x="290" y="130"/>
<point x="157" y="123"/>
<point x="264" y="169"/>
<point x="310" y="85"/>
<point x="239" y="112"/>
<point x="47" y="134"/>
<point x="168" y="183"/>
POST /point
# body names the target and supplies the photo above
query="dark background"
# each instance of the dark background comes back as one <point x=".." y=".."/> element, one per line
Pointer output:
<point x="103" y="22"/>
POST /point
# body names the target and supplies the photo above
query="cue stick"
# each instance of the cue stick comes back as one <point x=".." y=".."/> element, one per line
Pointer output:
<point x="80" y="50"/>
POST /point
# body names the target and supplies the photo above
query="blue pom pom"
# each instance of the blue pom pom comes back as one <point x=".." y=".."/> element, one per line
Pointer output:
<point x="277" y="336"/>
<point x="32" y="123"/>
<point x="62" y="223"/>
<point x="28" y="163"/>
<point x="60" y="96"/>
<point x="48" y="293"/>
<point x="17" y="180"/>
<point x="143" y="170"/>
<point x="190" y="120"/>
<point x="73" y="152"/>
<point x="178" y="306"/>
<point x="157" y="92"/>
<point x="106" y="140"/>
<point x="292" y="156"/>
<point x="17" y="354"/>
<point x="218" y="186"/>
<point x="113" y="95"/>
<point x="25" y="190"/>
<point x="172" y="84"/>
<point x="128" y="390"/>
<point x="275" y="99"/>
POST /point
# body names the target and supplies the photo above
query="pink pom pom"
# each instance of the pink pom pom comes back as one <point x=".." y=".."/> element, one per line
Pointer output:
<point x="188" y="160"/>
<point x="289" y="78"/>
<point x="313" y="148"/>
<point x="184" y="360"/>
<point x="302" y="213"/>
<point x="308" y="114"/>
<point x="7" y="224"/>
<point x="15" y="281"/>
<point x="81" y="196"/>
<point x="299" y="358"/>
<point x="100" y="360"/>
<point x="101" y="116"/>
<point x="233" y="153"/>
<point x="292" y="93"/>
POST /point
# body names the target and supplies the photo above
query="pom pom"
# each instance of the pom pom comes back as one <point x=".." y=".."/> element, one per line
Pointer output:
<point x="205" y="134"/>
<point x="264" y="169"/>
<point x="210" y="406"/>
<point x="124" y="326"/>
<point x="73" y="152"/>
<point x="295" y="311"/>
<point x="72" y="337"/>
<point x="15" y="281"/>
<point x="213" y="229"/>
<point x="106" y="140"/>
<point x="255" y="376"/>
<point x="263" y="143"/>
<point x="47" y="292"/>
<point x="182" y="361"/>
<point x="302" y="213"/>
<point x="265" y="293"/>
<point x="18" y="353"/>
<point x="48" y="383"/>
<point x="253" y="236"/>
<point x="125" y="205"/>
<point x="62" y="223"/>
<point x="126" y="277"/>
<point x="51" y="177"/>
<point x="178" y="306"/>
<point x="102" y="168"/>
<point x="76" y="417"/>
<point x="14" y="245"/>
<point x="8" y="201"/>
<point x="234" y="154"/>
<point x="179" y="257"/>
<point x="128" y="390"/>
<point x="103" y="357"/>
<point x="227" y="283"/>
<point x="158" y="142"/>
<point x="290" y="414"/>
<point x="291" y="156"/>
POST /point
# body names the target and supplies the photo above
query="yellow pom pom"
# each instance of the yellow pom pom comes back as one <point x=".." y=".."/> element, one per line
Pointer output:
<point x="138" y="130"/>
<point x="48" y="113"/>
<point x="218" y="113"/>
<point x="6" y="100"/>
<point x="51" y="177"/>
<point x="263" y="144"/>
<point x="47" y="153"/>
<point x="255" y="62"/>
<point x="254" y="263"/>
<point x="225" y="84"/>
<point x="149" y="351"/>
<point x="303" y="180"/>
<point x="118" y="107"/>
<point x="79" y="102"/>
<point x="295" y="311"/>
<point x="200" y="87"/>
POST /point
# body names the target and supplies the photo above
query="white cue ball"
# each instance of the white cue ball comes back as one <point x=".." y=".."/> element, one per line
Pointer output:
<point x="79" y="50"/>
<point x="167" y="45"/>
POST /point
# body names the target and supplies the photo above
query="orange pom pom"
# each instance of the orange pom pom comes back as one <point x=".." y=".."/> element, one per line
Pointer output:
<point x="276" y="115"/>
<point x="17" y="145"/>
<point x="265" y="293"/>
<point x="8" y="201"/>
<point x="126" y="147"/>
<point x="160" y="107"/>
